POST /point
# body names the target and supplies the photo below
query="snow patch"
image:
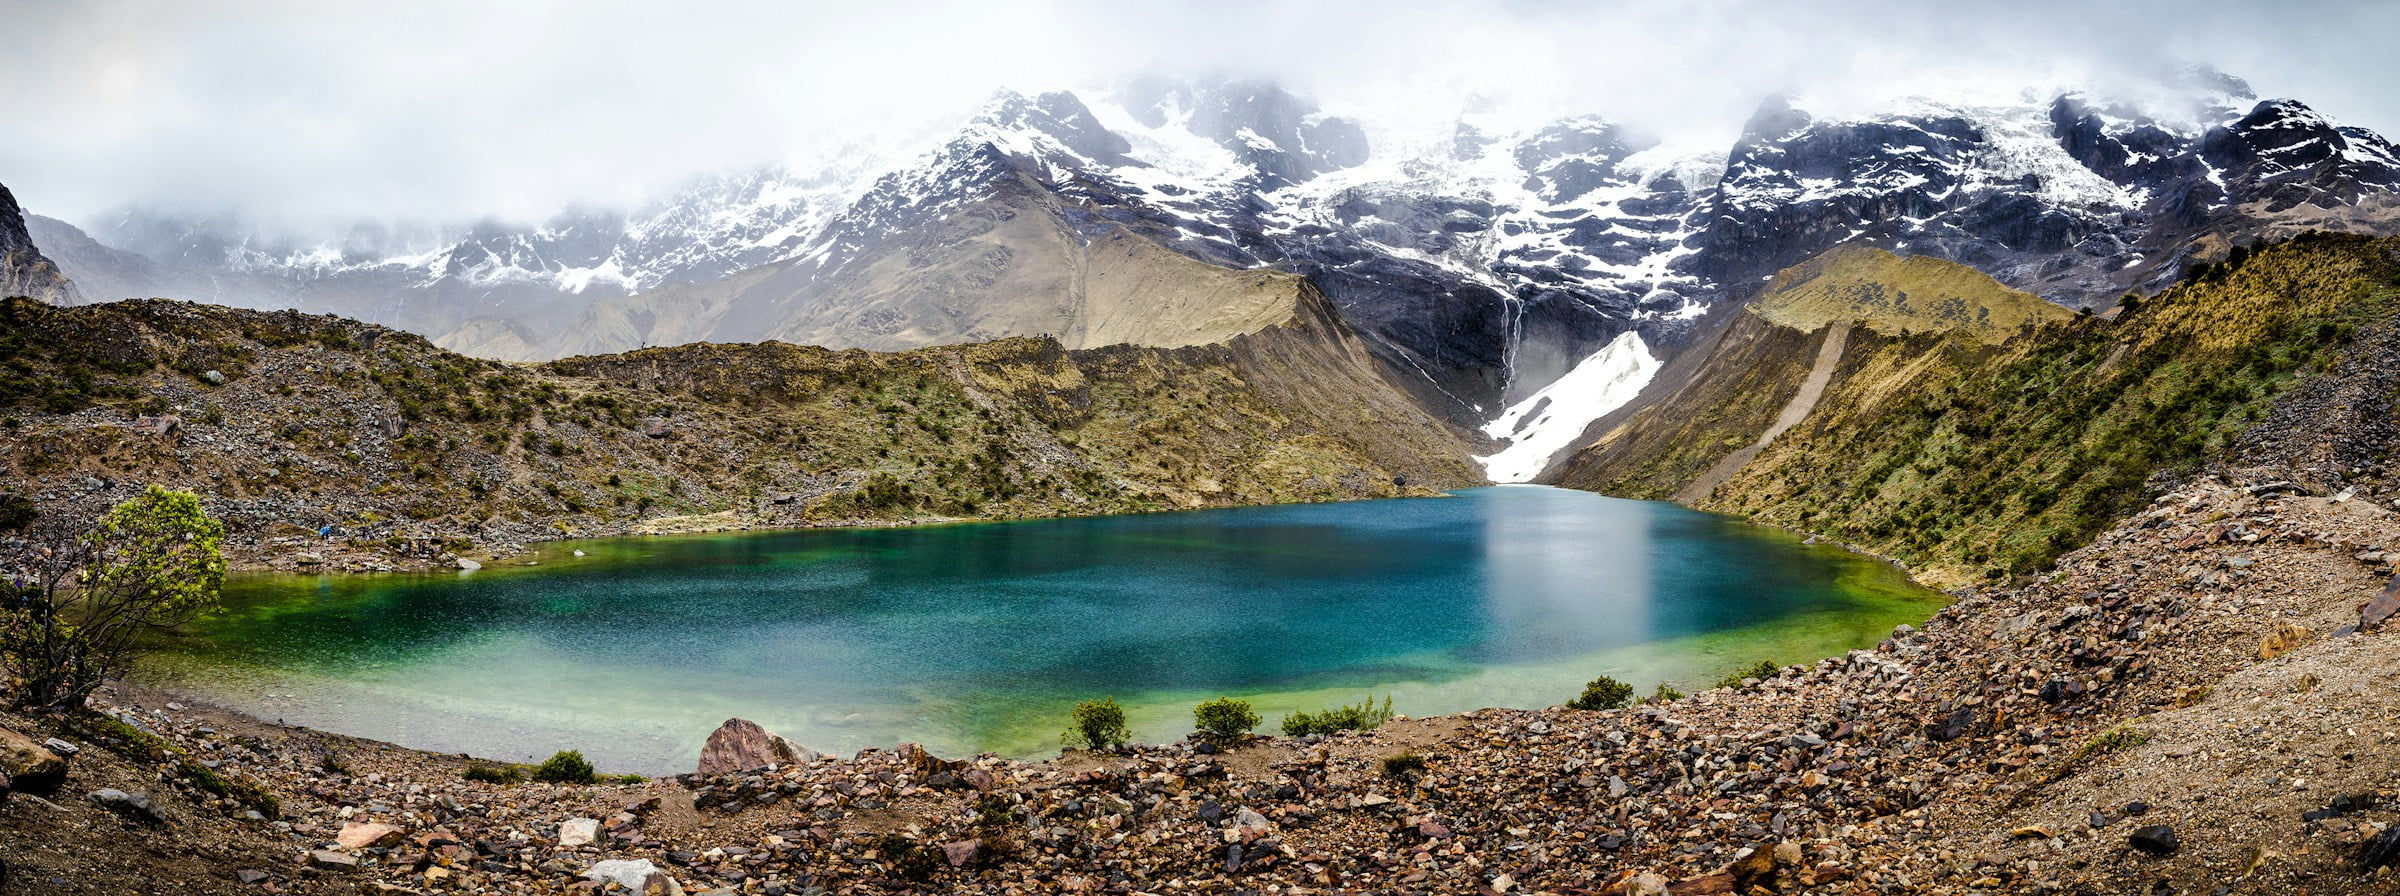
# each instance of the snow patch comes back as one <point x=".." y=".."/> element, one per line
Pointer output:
<point x="1550" y="420"/>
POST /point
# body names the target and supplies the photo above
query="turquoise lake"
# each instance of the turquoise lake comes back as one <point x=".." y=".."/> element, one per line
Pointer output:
<point x="981" y="636"/>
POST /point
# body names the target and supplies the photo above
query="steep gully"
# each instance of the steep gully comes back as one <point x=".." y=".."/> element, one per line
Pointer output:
<point x="1820" y="374"/>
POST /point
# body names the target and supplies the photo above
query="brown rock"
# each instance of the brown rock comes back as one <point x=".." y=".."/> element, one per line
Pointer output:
<point x="1754" y="870"/>
<point x="368" y="835"/>
<point x="741" y="745"/>
<point x="961" y="852"/>
<point x="2380" y="607"/>
<point x="30" y="767"/>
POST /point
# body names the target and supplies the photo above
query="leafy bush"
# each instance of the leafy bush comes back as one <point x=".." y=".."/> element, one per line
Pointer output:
<point x="1763" y="669"/>
<point x="1225" y="718"/>
<point x="1098" y="724"/>
<point x="494" y="774"/>
<point x="1603" y="693"/>
<point x="70" y="621"/>
<point x="1365" y="716"/>
<point x="568" y="767"/>
<point x="1665" y="693"/>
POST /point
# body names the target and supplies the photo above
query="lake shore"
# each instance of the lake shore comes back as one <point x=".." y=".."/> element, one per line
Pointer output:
<point x="1962" y="755"/>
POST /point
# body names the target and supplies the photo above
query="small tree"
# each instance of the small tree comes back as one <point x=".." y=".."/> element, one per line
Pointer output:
<point x="1099" y="724"/>
<point x="1603" y="693"/>
<point x="565" y="767"/>
<point x="1666" y="693"/>
<point x="76" y="603"/>
<point x="1225" y="718"/>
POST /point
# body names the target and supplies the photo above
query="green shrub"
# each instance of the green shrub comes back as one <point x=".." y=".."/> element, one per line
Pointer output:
<point x="1665" y="694"/>
<point x="1603" y="693"/>
<point x="1225" y="718"/>
<point x="1098" y="724"/>
<point x="1403" y="767"/>
<point x="568" y="767"/>
<point x="1763" y="669"/>
<point x="494" y="774"/>
<point x="1365" y="716"/>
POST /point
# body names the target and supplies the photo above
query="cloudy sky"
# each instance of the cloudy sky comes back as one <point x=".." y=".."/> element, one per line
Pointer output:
<point x="320" y="109"/>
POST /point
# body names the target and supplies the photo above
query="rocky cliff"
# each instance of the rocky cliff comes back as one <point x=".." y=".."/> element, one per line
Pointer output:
<point x="299" y="427"/>
<point x="24" y="271"/>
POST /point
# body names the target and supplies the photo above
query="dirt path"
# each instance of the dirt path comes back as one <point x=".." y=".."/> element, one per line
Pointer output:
<point x="1819" y="376"/>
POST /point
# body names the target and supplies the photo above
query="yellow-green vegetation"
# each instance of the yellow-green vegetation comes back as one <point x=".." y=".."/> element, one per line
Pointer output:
<point x="133" y="743"/>
<point x="1225" y="718"/>
<point x="1603" y="693"/>
<point x="1365" y="716"/>
<point x="1969" y="461"/>
<point x="565" y="767"/>
<point x="2113" y="740"/>
<point x="494" y="774"/>
<point x="71" y="614"/>
<point x="1762" y="670"/>
<point x="319" y="411"/>
<point x="1901" y="294"/>
<point x="1098" y="725"/>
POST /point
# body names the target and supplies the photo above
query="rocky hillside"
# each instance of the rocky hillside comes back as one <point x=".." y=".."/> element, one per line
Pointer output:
<point x="24" y="271"/>
<point x="326" y="441"/>
<point x="1971" y="461"/>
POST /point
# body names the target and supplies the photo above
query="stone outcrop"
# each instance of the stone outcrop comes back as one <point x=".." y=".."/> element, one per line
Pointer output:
<point x="741" y="745"/>
<point x="30" y="767"/>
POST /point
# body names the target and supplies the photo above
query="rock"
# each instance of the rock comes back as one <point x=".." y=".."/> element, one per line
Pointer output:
<point x="157" y="426"/>
<point x="368" y="835"/>
<point x="331" y="860"/>
<point x="1957" y="724"/>
<point x="926" y="766"/>
<point x="1755" y="869"/>
<point x="2281" y="641"/>
<point x="656" y="427"/>
<point x="467" y="565"/>
<point x="1647" y="884"/>
<point x="2033" y="832"/>
<point x="2379" y="608"/>
<point x="133" y="806"/>
<point x="2155" y="839"/>
<point x="578" y="832"/>
<point x="962" y="852"/>
<point x="62" y="748"/>
<point x="213" y="376"/>
<point x="632" y="874"/>
<point x="740" y="745"/>
<point x="30" y="767"/>
<point x="2380" y="851"/>
<point x="250" y="876"/>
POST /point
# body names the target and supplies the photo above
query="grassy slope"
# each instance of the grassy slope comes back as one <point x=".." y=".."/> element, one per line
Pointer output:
<point x="1969" y="461"/>
<point x="322" y="420"/>
<point x="1898" y="295"/>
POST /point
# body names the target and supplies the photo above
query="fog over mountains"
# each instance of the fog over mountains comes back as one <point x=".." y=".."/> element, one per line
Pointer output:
<point x="1487" y="265"/>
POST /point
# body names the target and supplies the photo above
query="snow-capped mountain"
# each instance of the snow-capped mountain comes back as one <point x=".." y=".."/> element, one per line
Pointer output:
<point x="1483" y="268"/>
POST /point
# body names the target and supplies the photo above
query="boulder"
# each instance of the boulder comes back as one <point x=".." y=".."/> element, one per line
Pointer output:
<point x="157" y="426"/>
<point x="2155" y="839"/>
<point x="466" y="565"/>
<point x="30" y="767"/>
<point x="133" y="806"/>
<point x="331" y="860"/>
<point x="962" y="852"/>
<point x="741" y="745"/>
<point x="368" y="835"/>
<point x="2380" y="608"/>
<point x="632" y="874"/>
<point x="656" y="427"/>
<point x="931" y="769"/>
<point x="578" y="832"/>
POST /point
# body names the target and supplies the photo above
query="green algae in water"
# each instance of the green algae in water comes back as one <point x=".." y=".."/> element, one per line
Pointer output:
<point x="980" y="637"/>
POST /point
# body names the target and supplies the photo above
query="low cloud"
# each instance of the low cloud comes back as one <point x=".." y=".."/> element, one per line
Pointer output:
<point x="445" y="110"/>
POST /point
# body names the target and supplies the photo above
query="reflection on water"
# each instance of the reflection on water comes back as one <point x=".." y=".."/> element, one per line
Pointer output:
<point x="979" y="636"/>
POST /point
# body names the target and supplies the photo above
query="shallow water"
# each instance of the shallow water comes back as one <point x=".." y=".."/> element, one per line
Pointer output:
<point x="981" y="636"/>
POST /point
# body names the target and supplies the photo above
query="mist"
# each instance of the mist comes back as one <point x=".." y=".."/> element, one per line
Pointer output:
<point x="303" y="111"/>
